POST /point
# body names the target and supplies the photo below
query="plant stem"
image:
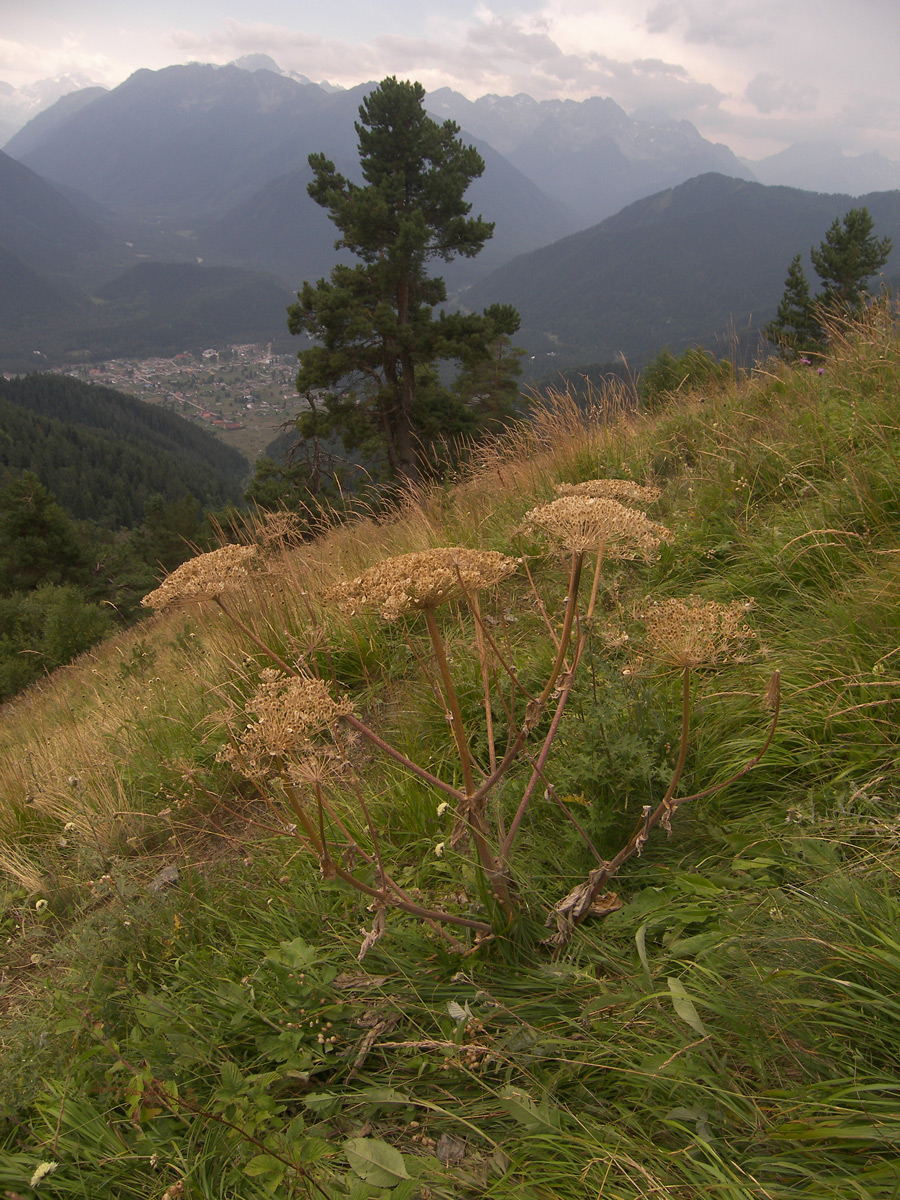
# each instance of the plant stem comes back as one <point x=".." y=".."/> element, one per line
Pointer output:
<point x="256" y="640"/>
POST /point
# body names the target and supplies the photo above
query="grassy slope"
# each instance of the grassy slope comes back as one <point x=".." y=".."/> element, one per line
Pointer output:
<point x="731" y="1031"/>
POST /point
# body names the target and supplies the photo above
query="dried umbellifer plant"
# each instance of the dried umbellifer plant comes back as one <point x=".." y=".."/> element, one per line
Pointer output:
<point x="295" y="745"/>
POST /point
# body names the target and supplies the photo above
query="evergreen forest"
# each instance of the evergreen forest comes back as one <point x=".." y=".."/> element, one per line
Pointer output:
<point x="98" y="492"/>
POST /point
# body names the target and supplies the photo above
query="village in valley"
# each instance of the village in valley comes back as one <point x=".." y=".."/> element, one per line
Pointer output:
<point x="245" y="394"/>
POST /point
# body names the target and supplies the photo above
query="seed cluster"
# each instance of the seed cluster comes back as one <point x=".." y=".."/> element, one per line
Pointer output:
<point x="623" y="490"/>
<point x="423" y="579"/>
<point x="203" y="577"/>
<point x="279" y="529"/>
<point x="697" y="632"/>
<point x="290" y="711"/>
<point x="584" y="522"/>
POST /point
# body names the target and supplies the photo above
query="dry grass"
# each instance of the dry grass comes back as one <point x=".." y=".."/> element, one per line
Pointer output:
<point x="72" y="746"/>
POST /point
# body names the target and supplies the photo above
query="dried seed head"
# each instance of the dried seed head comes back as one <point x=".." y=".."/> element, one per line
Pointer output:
<point x="424" y="579"/>
<point x="315" y="770"/>
<point x="280" y="529"/>
<point x="583" y="522"/>
<point x="203" y="577"/>
<point x="290" y="712"/>
<point x="623" y="490"/>
<point x="697" y="632"/>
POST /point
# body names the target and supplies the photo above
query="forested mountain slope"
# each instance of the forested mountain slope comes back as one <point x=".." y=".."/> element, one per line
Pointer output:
<point x="104" y="454"/>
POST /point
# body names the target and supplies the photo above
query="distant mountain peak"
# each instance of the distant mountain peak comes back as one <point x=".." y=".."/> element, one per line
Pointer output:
<point x="262" y="62"/>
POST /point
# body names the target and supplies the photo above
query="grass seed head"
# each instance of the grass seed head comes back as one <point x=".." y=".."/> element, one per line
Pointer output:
<point x="697" y="632"/>
<point x="202" y="578"/>
<point x="423" y="579"/>
<point x="583" y="522"/>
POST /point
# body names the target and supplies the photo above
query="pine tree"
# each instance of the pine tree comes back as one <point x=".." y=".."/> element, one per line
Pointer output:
<point x="373" y="324"/>
<point x="846" y="258"/>
<point x="844" y="261"/>
<point x="795" y="329"/>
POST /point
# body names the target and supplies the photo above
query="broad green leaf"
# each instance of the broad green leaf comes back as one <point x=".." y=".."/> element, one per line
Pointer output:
<point x="297" y="954"/>
<point x="375" y="1161"/>
<point x="684" y="1006"/>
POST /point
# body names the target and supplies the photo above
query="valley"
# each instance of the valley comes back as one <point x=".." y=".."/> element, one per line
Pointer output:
<point x="243" y="394"/>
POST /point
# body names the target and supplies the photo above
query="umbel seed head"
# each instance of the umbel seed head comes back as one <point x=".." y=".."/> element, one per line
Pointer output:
<point x="204" y="577"/>
<point x="290" y="712"/>
<point x="423" y="579"/>
<point x="583" y="522"/>
<point x="623" y="490"/>
<point x="697" y="632"/>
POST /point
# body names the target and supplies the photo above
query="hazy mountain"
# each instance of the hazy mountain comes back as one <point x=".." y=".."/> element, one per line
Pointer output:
<point x="21" y="105"/>
<point x="152" y="308"/>
<point x="702" y="263"/>
<point x="281" y="230"/>
<point x="44" y="228"/>
<point x="589" y="154"/>
<point x="185" y="142"/>
<point x="823" y="167"/>
<point x="262" y="62"/>
<point x="191" y="143"/>
<point x="30" y="302"/>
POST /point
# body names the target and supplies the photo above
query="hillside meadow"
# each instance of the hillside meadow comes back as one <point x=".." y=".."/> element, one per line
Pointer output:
<point x="559" y="861"/>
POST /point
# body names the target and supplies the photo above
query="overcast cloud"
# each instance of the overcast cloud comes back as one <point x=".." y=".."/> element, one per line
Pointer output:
<point x="755" y="74"/>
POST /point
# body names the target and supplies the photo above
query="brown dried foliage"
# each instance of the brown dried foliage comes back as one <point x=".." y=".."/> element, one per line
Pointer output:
<point x="423" y="579"/>
<point x="583" y="522"/>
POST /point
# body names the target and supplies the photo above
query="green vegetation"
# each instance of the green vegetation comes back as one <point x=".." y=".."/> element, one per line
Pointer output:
<point x="724" y="1024"/>
<point x="847" y="257"/>
<point x="372" y="373"/>
<point x="687" y="372"/>
<point x="151" y="308"/>
<point x="130" y="484"/>
<point x="105" y="454"/>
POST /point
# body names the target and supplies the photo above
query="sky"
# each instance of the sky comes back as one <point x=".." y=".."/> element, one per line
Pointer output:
<point x="757" y="75"/>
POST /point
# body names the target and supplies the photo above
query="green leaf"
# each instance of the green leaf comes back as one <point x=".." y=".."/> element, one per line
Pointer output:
<point x="297" y="955"/>
<point x="640" y="940"/>
<point x="684" y="1006"/>
<point x="523" y="1109"/>
<point x="267" y="1169"/>
<point x="375" y="1161"/>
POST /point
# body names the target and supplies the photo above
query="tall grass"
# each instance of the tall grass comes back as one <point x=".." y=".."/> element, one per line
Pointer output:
<point x="730" y="1029"/>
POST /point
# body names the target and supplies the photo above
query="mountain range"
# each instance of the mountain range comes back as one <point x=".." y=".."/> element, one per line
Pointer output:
<point x="701" y="263"/>
<point x="173" y="210"/>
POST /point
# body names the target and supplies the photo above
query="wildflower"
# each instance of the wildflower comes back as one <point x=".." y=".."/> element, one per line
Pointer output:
<point x="423" y="579"/>
<point x="696" y="632"/>
<point x="290" y="711"/>
<point x="583" y="522"/>
<point x="40" y="906"/>
<point x="442" y="807"/>
<point x="439" y="850"/>
<point x="202" y="578"/>
<point x="623" y="490"/>
<point x="41" y="1171"/>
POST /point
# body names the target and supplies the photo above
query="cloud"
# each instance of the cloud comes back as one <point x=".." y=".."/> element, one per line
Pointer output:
<point x="768" y="93"/>
<point x="24" y="63"/>
<point x="724" y="23"/>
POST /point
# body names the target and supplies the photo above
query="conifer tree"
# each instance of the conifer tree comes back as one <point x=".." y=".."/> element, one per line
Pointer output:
<point x="376" y="338"/>
<point x="844" y="261"/>
<point x="847" y="257"/>
<point x="794" y="328"/>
